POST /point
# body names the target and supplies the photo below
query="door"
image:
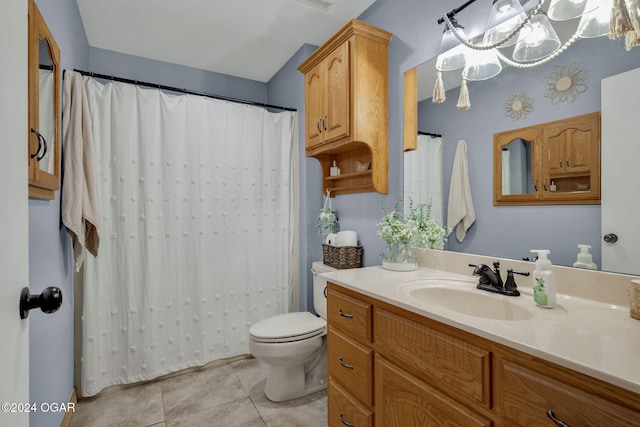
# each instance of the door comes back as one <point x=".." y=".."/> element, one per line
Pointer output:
<point x="620" y="172"/>
<point x="14" y="351"/>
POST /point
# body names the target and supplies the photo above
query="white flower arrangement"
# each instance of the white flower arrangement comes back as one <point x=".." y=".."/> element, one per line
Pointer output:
<point x="429" y="234"/>
<point x="418" y="230"/>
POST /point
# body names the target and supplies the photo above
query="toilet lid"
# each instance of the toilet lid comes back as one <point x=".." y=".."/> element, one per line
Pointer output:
<point x="287" y="327"/>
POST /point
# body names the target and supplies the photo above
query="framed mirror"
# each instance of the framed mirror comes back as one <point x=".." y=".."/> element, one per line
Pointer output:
<point x="511" y="231"/>
<point x="44" y="108"/>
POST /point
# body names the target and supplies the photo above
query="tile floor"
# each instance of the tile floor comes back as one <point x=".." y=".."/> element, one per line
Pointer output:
<point x="227" y="395"/>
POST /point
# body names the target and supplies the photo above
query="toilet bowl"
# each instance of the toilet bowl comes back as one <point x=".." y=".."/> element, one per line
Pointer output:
<point x="294" y="346"/>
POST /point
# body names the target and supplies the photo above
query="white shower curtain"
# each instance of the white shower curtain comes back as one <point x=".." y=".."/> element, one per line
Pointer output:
<point x="199" y="228"/>
<point x="423" y="175"/>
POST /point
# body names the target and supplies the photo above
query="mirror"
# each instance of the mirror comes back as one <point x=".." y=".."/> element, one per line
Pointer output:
<point x="511" y="231"/>
<point x="516" y="163"/>
<point x="46" y="117"/>
<point x="44" y="108"/>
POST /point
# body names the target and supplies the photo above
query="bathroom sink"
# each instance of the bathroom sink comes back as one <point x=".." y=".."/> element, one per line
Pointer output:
<point x="463" y="297"/>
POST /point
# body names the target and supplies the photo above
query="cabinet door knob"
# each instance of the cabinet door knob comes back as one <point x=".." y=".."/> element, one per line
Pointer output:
<point x="345" y="364"/>
<point x="343" y="314"/>
<point x="555" y="420"/>
<point x="345" y="422"/>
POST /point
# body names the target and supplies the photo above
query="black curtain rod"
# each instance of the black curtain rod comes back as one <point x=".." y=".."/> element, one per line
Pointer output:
<point x="435" y="135"/>
<point x="175" y="89"/>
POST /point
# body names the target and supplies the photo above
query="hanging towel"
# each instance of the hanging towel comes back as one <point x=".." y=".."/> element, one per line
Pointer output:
<point x="460" y="214"/>
<point x="80" y="210"/>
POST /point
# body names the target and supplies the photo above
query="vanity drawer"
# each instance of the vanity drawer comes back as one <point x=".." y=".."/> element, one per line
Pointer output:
<point x="525" y="396"/>
<point x="455" y="366"/>
<point x="350" y="315"/>
<point x="344" y="410"/>
<point x="351" y="365"/>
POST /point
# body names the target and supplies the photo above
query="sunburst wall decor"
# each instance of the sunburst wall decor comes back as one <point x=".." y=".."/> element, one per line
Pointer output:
<point x="565" y="83"/>
<point x="518" y="106"/>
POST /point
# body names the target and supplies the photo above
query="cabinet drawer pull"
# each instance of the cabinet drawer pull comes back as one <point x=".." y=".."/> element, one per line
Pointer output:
<point x="324" y="122"/>
<point x="344" y="364"/>
<point x="318" y="125"/>
<point x="345" y="422"/>
<point x="567" y="162"/>
<point x="555" y="420"/>
<point x="343" y="314"/>
<point x="545" y="185"/>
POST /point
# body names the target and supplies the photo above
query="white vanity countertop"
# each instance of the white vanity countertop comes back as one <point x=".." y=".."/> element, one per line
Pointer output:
<point x="596" y="339"/>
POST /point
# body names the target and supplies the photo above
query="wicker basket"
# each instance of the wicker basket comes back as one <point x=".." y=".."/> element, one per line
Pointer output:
<point x="342" y="257"/>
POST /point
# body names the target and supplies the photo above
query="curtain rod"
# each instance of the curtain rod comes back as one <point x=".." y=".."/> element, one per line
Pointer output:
<point x="435" y="135"/>
<point x="175" y="89"/>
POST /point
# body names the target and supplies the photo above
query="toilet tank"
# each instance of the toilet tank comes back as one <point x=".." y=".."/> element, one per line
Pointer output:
<point x="319" y="285"/>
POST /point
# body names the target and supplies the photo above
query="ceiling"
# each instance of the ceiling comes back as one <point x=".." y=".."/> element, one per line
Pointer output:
<point x="251" y="39"/>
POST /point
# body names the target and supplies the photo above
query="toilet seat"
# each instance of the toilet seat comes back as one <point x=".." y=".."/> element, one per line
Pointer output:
<point x="287" y="327"/>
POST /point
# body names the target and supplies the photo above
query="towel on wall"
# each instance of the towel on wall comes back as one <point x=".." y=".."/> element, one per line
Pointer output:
<point x="80" y="210"/>
<point x="460" y="213"/>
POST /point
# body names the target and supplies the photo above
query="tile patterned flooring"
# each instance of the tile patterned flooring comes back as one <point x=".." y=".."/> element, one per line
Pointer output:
<point x="227" y="395"/>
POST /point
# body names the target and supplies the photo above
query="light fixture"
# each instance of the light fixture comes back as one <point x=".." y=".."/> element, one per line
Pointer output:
<point x="596" y="23"/>
<point x="563" y="10"/>
<point x="536" y="41"/>
<point x="481" y="65"/>
<point x="451" y="50"/>
<point x="540" y="43"/>
<point x="506" y="16"/>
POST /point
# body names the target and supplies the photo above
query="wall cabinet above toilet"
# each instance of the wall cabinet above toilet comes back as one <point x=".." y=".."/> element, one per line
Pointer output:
<point x="346" y="120"/>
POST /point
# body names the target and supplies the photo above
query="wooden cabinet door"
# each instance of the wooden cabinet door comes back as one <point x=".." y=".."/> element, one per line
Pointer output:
<point x="337" y="94"/>
<point x="525" y="396"/>
<point x="573" y="162"/>
<point x="404" y="401"/>
<point x="314" y="105"/>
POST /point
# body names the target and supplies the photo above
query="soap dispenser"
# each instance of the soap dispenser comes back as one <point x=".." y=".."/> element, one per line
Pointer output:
<point x="544" y="280"/>
<point x="585" y="260"/>
<point x="334" y="170"/>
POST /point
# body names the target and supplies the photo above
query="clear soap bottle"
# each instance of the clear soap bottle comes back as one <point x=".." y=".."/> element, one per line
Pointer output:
<point x="544" y="280"/>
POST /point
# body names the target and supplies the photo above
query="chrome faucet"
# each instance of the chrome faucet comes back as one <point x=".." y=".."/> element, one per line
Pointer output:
<point x="490" y="280"/>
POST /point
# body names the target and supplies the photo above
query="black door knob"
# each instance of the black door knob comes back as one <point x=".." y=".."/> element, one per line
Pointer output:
<point x="610" y="238"/>
<point x="49" y="301"/>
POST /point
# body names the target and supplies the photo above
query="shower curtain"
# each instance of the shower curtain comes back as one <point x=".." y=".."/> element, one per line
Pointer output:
<point x="423" y="175"/>
<point x="198" y="199"/>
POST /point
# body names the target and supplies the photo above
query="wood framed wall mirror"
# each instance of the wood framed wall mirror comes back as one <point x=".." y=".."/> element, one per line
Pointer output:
<point x="44" y="108"/>
<point x="564" y="224"/>
<point x="549" y="163"/>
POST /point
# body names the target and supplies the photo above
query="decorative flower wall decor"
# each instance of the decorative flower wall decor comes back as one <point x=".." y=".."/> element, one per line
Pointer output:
<point x="518" y="106"/>
<point x="565" y="83"/>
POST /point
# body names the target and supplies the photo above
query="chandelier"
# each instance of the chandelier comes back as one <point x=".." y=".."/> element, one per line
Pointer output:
<point x="527" y="39"/>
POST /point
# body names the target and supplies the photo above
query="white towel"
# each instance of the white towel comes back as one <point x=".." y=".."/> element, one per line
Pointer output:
<point x="460" y="213"/>
<point x="80" y="210"/>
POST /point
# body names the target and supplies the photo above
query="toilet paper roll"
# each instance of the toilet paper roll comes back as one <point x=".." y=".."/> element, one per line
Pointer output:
<point x="347" y="238"/>
<point x="332" y="239"/>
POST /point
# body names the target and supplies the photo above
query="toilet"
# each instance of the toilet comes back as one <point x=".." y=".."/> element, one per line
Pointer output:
<point x="294" y="346"/>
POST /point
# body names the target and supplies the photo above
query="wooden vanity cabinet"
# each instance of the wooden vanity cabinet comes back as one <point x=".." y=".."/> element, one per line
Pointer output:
<point x="346" y="112"/>
<point x="43" y="152"/>
<point x="427" y="373"/>
<point x="349" y="360"/>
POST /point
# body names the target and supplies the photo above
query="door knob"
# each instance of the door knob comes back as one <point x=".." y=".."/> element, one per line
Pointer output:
<point x="49" y="301"/>
<point x="610" y="238"/>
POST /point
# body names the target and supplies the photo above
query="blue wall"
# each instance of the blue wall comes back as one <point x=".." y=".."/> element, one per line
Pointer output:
<point x="51" y="336"/>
